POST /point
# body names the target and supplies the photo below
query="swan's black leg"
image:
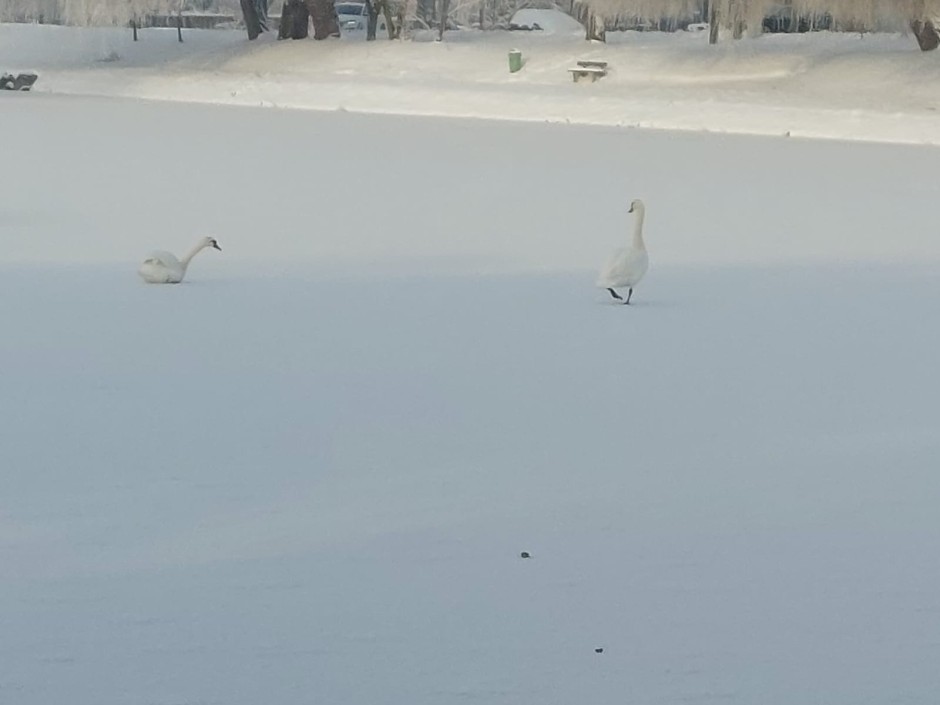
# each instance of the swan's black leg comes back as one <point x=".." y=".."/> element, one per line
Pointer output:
<point x="615" y="295"/>
<point x="629" y="294"/>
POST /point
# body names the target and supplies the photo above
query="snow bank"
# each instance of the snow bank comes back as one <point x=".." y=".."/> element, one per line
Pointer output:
<point x="871" y="87"/>
<point x="548" y="21"/>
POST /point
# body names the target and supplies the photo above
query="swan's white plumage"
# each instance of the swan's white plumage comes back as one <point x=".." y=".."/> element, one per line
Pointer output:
<point x="164" y="268"/>
<point x="626" y="266"/>
<point x="624" y="269"/>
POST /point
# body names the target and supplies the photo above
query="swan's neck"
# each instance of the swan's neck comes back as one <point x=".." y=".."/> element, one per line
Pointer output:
<point x="187" y="258"/>
<point x="638" y="230"/>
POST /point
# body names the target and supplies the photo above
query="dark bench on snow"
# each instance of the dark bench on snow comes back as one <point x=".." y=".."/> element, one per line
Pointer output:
<point x="21" y="82"/>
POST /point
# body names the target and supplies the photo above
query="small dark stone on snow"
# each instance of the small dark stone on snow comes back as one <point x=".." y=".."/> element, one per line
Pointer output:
<point x="598" y="650"/>
<point x="525" y="554"/>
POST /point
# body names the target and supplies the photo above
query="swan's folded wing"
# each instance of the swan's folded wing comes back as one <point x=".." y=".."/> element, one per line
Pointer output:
<point x="152" y="271"/>
<point x="164" y="259"/>
<point x="608" y="275"/>
<point x="625" y="268"/>
<point x="161" y="267"/>
<point x="155" y="271"/>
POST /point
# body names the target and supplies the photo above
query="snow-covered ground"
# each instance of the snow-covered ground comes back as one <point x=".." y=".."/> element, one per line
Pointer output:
<point x="307" y="473"/>
<point x="872" y="87"/>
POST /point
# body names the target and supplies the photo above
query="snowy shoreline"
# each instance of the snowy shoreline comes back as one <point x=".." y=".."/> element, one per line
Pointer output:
<point x="867" y="88"/>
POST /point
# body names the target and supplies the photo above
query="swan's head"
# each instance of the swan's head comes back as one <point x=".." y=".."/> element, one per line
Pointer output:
<point x="211" y="242"/>
<point x="636" y="205"/>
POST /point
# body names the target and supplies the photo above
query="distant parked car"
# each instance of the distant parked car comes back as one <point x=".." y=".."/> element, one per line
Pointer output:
<point x="352" y="16"/>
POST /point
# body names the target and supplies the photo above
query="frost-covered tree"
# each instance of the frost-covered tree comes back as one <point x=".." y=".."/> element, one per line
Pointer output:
<point x="29" y="11"/>
<point x="644" y="11"/>
<point x="109" y="12"/>
<point x="892" y="15"/>
<point x="917" y="15"/>
<point x="87" y="12"/>
<point x="738" y="18"/>
<point x="486" y="14"/>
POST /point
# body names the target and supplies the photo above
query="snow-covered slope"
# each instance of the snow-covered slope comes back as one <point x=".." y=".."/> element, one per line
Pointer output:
<point x="873" y="87"/>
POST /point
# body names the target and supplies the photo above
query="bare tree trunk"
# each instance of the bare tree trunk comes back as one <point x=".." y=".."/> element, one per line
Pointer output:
<point x="926" y="34"/>
<point x="261" y="9"/>
<point x="295" y="20"/>
<point x="380" y="6"/>
<point x="406" y="15"/>
<point x="598" y="28"/>
<point x="390" y="24"/>
<point x="179" y="25"/>
<point x="445" y="7"/>
<point x="372" y="23"/>
<point x="383" y="7"/>
<point x="393" y="30"/>
<point x="713" y="21"/>
<point x="738" y="12"/>
<point x="582" y="14"/>
<point x="250" y="15"/>
<point x="325" y="21"/>
<point x="593" y="23"/>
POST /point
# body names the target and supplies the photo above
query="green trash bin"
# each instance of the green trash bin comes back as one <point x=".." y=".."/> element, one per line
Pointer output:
<point x="515" y="60"/>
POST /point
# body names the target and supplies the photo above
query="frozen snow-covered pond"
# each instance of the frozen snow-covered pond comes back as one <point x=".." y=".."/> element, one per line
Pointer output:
<point x="306" y="474"/>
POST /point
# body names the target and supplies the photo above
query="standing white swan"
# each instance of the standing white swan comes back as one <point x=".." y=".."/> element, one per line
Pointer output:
<point x="626" y="266"/>
<point x="163" y="267"/>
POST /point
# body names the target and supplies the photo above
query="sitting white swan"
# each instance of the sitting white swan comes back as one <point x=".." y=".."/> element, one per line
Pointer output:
<point x="163" y="267"/>
<point x="627" y="265"/>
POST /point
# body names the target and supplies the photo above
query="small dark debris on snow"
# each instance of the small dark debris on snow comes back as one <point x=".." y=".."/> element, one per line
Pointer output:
<point x="525" y="554"/>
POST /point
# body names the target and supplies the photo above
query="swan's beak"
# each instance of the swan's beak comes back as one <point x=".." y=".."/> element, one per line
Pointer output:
<point x="631" y="209"/>
<point x="216" y="246"/>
